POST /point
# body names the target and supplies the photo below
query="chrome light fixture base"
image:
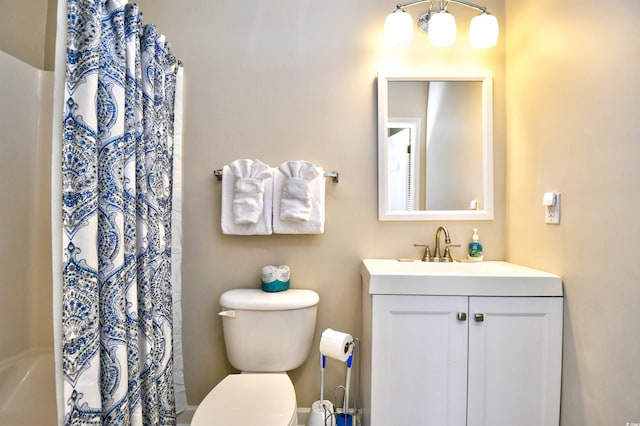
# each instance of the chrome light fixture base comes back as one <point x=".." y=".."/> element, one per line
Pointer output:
<point x="423" y="21"/>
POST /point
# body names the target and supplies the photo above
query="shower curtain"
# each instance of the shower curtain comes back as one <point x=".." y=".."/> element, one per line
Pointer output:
<point x="118" y="286"/>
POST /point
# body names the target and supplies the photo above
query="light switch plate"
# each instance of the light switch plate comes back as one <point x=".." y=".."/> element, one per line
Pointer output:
<point x="552" y="213"/>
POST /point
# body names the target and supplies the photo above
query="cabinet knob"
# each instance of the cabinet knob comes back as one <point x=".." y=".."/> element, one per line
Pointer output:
<point x="462" y="316"/>
<point x="478" y="317"/>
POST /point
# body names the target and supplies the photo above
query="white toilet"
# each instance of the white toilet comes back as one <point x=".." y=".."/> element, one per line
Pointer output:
<point x="265" y="334"/>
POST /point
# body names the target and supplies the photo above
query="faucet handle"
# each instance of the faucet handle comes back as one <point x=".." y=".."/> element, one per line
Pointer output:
<point x="447" y="253"/>
<point x="426" y="256"/>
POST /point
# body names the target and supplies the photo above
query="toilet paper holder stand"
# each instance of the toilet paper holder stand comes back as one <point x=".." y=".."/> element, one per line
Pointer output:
<point x="321" y="407"/>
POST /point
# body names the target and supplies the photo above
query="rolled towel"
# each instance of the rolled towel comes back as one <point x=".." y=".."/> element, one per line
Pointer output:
<point x="248" y="190"/>
<point x="296" y="203"/>
<point x="315" y="223"/>
<point x="247" y="197"/>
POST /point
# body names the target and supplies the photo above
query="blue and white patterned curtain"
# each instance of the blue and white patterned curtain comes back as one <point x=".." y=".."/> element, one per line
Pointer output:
<point x="117" y="182"/>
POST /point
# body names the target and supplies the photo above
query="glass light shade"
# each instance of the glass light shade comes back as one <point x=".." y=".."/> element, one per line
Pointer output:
<point x="483" y="31"/>
<point x="398" y="28"/>
<point x="442" y="29"/>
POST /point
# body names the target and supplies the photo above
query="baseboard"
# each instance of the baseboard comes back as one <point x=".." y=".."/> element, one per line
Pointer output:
<point x="184" y="418"/>
<point x="303" y="415"/>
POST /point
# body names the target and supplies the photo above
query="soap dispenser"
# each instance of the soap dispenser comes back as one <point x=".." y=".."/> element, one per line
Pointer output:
<point x="475" y="248"/>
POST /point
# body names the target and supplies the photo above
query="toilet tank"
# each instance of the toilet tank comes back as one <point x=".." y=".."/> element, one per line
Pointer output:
<point x="268" y="332"/>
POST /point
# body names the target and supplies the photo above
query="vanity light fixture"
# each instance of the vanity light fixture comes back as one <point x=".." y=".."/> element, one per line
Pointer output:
<point x="440" y="24"/>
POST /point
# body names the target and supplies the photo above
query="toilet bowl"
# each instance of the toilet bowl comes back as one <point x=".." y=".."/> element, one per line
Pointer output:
<point x="249" y="399"/>
<point x="265" y="334"/>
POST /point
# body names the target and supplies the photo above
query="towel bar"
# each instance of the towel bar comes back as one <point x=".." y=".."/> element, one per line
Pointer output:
<point x="334" y="175"/>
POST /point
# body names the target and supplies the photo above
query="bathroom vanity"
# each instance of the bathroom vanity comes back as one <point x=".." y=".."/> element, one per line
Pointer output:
<point x="460" y="344"/>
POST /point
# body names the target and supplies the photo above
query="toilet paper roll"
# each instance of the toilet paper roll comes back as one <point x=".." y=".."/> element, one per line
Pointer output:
<point x="283" y="273"/>
<point x="336" y="345"/>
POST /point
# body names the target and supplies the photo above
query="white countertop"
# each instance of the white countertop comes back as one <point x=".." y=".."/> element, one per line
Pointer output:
<point x="490" y="278"/>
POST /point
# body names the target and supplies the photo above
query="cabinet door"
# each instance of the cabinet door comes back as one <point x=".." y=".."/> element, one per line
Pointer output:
<point x="515" y="357"/>
<point x="419" y="361"/>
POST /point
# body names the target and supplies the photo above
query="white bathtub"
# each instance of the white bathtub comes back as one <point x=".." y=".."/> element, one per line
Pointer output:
<point x="27" y="389"/>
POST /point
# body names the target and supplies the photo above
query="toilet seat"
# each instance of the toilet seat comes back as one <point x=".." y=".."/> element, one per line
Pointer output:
<point x="266" y="399"/>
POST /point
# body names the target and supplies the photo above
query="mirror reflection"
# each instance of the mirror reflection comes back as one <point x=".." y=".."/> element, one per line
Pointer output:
<point x="435" y="148"/>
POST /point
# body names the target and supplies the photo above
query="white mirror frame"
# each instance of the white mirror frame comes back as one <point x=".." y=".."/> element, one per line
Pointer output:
<point x="486" y="213"/>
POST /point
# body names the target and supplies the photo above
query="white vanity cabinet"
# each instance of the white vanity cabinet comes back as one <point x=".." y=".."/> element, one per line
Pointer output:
<point x="465" y="358"/>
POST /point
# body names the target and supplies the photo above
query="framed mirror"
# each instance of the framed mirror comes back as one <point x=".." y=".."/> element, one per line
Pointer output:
<point x="435" y="147"/>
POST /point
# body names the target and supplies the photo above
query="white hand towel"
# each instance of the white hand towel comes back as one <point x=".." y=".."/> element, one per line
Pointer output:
<point x="298" y="204"/>
<point x="296" y="200"/>
<point x="247" y="193"/>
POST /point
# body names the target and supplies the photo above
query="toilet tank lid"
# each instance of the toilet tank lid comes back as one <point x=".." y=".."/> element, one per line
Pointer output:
<point x="258" y="300"/>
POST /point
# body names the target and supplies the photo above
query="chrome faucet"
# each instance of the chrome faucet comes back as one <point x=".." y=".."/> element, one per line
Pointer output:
<point x="446" y="256"/>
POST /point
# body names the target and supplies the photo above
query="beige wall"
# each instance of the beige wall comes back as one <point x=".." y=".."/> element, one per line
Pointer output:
<point x="25" y="251"/>
<point x="296" y="80"/>
<point x="26" y="29"/>
<point x="573" y="98"/>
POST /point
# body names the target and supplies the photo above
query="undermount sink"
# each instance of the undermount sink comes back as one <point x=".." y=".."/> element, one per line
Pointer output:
<point x="489" y="278"/>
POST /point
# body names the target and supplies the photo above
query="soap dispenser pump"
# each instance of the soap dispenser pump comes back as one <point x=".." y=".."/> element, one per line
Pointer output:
<point x="475" y="247"/>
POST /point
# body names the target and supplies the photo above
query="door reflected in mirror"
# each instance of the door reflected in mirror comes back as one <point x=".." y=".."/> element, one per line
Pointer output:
<point x="435" y="147"/>
<point x="403" y="163"/>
